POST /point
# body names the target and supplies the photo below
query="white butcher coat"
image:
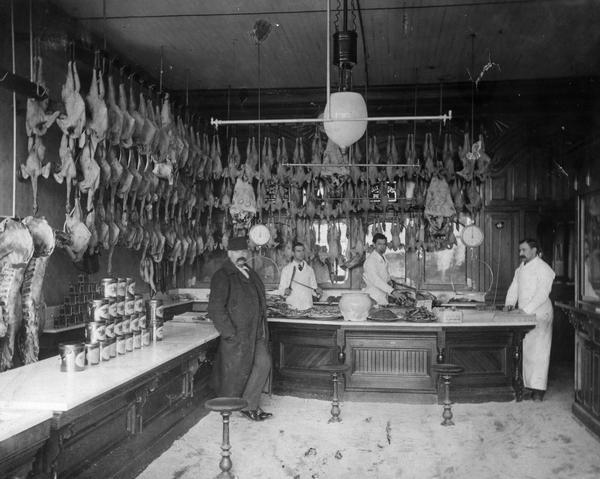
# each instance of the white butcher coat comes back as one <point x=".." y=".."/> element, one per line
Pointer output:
<point x="301" y="296"/>
<point x="376" y="275"/>
<point x="530" y="288"/>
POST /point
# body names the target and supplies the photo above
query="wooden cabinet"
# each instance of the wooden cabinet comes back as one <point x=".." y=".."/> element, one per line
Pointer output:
<point x="586" y="405"/>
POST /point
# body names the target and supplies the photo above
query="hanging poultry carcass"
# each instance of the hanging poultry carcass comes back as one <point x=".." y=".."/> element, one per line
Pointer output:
<point x="474" y="204"/>
<point x="91" y="174"/>
<point x="115" y="115"/>
<point x="429" y="168"/>
<point x="267" y="160"/>
<point x="31" y="289"/>
<point x="483" y="160"/>
<point x="73" y="122"/>
<point x="243" y="203"/>
<point x="215" y="154"/>
<point x="396" y="230"/>
<point x="34" y="167"/>
<point x="77" y="232"/>
<point x="468" y="158"/>
<point x="282" y="159"/>
<point x="251" y="165"/>
<point x="97" y="123"/>
<point x="448" y="157"/>
<point x="439" y="211"/>
<point x="147" y="266"/>
<point x="138" y="118"/>
<point x="163" y="137"/>
<point x="37" y="121"/>
<point x="16" y="250"/>
<point x="146" y="138"/>
<point x="67" y="170"/>
<point x="356" y="158"/>
<point x="128" y="120"/>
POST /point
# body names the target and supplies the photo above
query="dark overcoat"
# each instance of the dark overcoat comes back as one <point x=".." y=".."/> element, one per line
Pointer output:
<point x="238" y="308"/>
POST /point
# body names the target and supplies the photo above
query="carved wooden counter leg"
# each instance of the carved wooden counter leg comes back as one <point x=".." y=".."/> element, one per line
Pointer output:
<point x="518" y="357"/>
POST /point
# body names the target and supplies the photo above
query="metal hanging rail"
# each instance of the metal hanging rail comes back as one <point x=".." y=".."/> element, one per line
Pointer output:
<point x="348" y="165"/>
<point x="443" y="118"/>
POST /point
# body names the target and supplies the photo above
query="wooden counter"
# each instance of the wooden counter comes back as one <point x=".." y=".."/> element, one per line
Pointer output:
<point x="112" y="419"/>
<point x="585" y="319"/>
<point x="392" y="361"/>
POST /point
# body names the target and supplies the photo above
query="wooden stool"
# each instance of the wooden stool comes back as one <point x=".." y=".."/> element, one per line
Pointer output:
<point x="334" y="370"/>
<point x="446" y="371"/>
<point x="225" y="406"/>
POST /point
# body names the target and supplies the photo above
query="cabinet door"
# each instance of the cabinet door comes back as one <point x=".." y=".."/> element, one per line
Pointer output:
<point x="501" y="252"/>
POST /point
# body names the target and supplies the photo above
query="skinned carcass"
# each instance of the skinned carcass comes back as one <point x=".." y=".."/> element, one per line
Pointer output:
<point x="31" y="289"/>
<point x="16" y="250"/>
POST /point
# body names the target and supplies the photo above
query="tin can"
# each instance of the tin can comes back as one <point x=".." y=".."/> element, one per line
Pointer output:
<point x="134" y="323"/>
<point x="121" y="287"/>
<point x="142" y="320"/>
<point x="104" y="350"/>
<point x="112" y="308"/>
<point x="129" y="306"/>
<point x="120" y="306"/>
<point x="98" y="310"/>
<point x="92" y="354"/>
<point x="107" y="288"/>
<point x="138" y="303"/>
<point x="118" y="328"/>
<point x="110" y="329"/>
<point x="145" y="337"/>
<point x="129" y="342"/>
<point x="72" y="356"/>
<point x="156" y="330"/>
<point x="126" y="325"/>
<point x="112" y="347"/>
<point x="120" y="345"/>
<point x="95" y="331"/>
<point x="153" y="309"/>
<point x="137" y="339"/>
<point x="130" y="288"/>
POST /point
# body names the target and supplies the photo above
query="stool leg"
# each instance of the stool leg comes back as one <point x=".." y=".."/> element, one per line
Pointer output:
<point x="225" y="463"/>
<point x="335" y="404"/>
<point x="447" y="414"/>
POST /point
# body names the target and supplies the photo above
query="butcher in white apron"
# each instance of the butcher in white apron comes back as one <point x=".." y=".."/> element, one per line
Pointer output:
<point x="530" y="288"/>
<point x="297" y="281"/>
<point x="376" y="274"/>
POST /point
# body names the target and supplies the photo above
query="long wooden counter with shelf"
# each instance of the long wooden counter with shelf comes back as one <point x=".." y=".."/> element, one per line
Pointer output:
<point x="393" y="359"/>
<point x="109" y="420"/>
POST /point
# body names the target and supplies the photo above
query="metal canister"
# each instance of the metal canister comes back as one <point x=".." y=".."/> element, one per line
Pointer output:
<point x="104" y="350"/>
<point x="72" y="356"/>
<point x="130" y="288"/>
<point x="137" y="339"/>
<point x="95" y="331"/>
<point x="134" y="323"/>
<point x="138" y="303"/>
<point x="98" y="310"/>
<point x="120" y="306"/>
<point x="142" y="320"/>
<point x="92" y="354"/>
<point x="112" y="308"/>
<point x="129" y="342"/>
<point x="107" y="288"/>
<point x="118" y="327"/>
<point x="110" y="329"/>
<point x="154" y="319"/>
<point x="129" y="306"/>
<point x="120" y="345"/>
<point x="112" y="347"/>
<point x="121" y="287"/>
<point x="126" y="324"/>
<point x="145" y="337"/>
<point x="156" y="330"/>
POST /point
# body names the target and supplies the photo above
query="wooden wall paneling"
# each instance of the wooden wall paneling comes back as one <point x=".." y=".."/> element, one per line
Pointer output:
<point x="501" y="251"/>
<point x="520" y="179"/>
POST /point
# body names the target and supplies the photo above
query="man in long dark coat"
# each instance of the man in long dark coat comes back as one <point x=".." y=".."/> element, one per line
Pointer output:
<point x="238" y="308"/>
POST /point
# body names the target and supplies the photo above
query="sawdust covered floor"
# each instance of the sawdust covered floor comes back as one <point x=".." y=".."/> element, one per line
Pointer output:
<point x="385" y="440"/>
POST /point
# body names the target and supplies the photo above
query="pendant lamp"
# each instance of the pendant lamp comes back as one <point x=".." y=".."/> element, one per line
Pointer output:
<point x="350" y="107"/>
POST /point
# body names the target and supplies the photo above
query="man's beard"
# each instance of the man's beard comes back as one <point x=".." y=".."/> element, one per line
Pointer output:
<point x="240" y="261"/>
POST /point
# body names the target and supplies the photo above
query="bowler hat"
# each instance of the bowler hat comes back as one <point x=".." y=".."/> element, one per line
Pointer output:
<point x="238" y="243"/>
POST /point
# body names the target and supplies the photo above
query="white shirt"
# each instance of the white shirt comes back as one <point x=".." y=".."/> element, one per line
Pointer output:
<point x="531" y="286"/>
<point x="301" y="296"/>
<point x="376" y="276"/>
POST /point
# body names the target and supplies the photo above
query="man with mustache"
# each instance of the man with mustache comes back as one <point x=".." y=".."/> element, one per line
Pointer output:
<point x="238" y="308"/>
<point x="530" y="288"/>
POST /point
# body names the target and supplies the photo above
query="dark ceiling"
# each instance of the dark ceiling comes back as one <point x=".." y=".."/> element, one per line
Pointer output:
<point x="207" y="44"/>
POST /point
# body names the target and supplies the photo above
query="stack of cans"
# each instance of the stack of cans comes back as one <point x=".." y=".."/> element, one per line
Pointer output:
<point x="154" y="319"/>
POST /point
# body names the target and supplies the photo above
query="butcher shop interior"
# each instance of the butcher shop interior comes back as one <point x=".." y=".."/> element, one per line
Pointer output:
<point x="308" y="239"/>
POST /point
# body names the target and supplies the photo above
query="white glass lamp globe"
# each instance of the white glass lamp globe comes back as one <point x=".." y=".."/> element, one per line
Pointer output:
<point x="346" y="105"/>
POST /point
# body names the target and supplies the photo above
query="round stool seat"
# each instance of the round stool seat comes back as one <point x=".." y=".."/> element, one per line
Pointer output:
<point x="447" y="369"/>
<point x="334" y="368"/>
<point x="226" y="404"/>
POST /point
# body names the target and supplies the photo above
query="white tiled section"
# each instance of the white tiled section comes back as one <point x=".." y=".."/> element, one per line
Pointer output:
<point x="198" y="294"/>
<point x="13" y="422"/>
<point x="43" y="386"/>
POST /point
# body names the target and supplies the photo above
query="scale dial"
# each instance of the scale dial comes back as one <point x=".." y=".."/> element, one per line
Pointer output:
<point x="259" y="235"/>
<point x="472" y="236"/>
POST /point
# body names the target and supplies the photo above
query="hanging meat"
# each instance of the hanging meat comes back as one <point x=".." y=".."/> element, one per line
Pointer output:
<point x="429" y="168"/>
<point x="34" y="167"/>
<point x="37" y="121"/>
<point x="67" y="170"/>
<point x="373" y="159"/>
<point x="439" y="212"/>
<point x="78" y="233"/>
<point x="215" y="154"/>
<point x="410" y="154"/>
<point x="396" y="230"/>
<point x="474" y="204"/>
<point x="128" y="120"/>
<point x="73" y="122"/>
<point x="267" y="160"/>
<point x="147" y="266"/>
<point x="31" y="289"/>
<point x="448" y="157"/>
<point x="316" y="152"/>
<point x="115" y="115"/>
<point x="468" y="158"/>
<point x="16" y="250"/>
<point x="97" y="123"/>
<point x="91" y="174"/>
<point x="483" y="160"/>
<point x="282" y="160"/>
<point x="138" y="118"/>
<point x="150" y="128"/>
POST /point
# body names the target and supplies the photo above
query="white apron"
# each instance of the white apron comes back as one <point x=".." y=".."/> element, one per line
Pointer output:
<point x="530" y="288"/>
<point x="376" y="276"/>
<point x="301" y="296"/>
